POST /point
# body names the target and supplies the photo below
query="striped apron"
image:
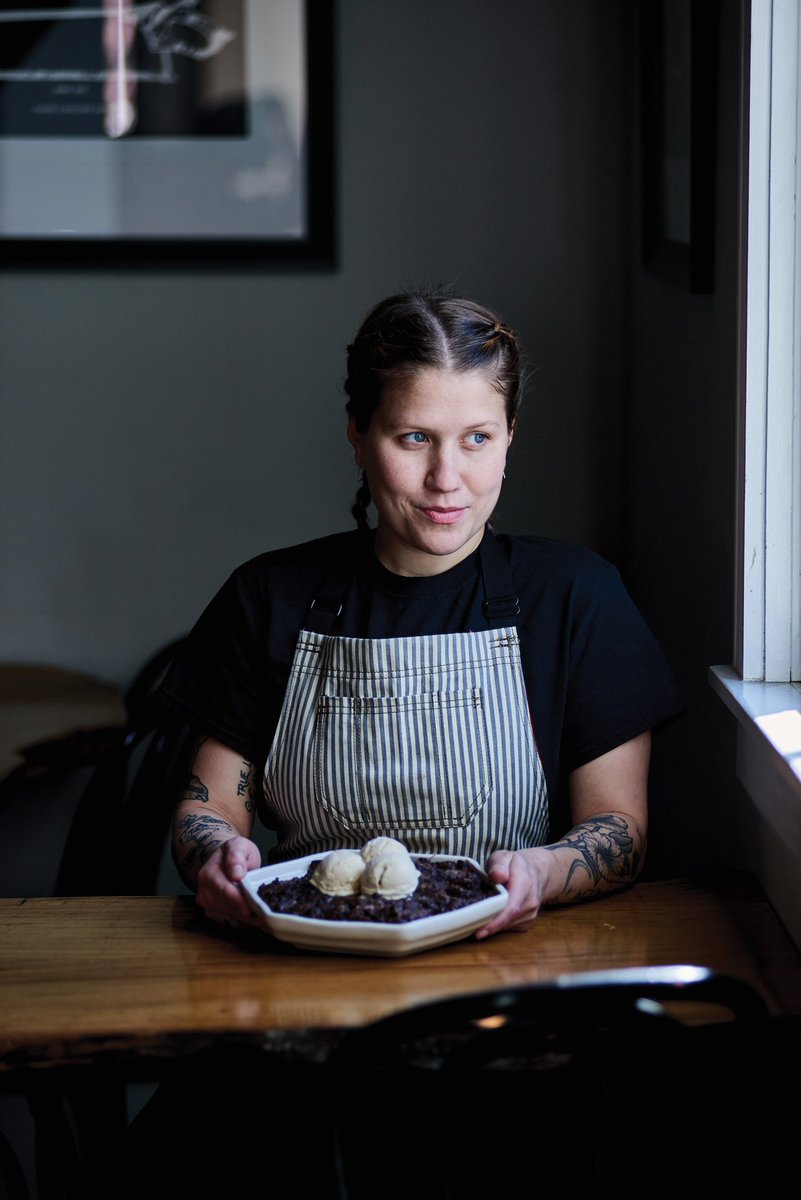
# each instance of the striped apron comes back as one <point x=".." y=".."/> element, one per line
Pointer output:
<point x="427" y="739"/>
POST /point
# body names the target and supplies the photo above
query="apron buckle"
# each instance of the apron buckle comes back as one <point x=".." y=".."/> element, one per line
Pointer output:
<point x="328" y="611"/>
<point x="323" y="614"/>
<point x="501" y="607"/>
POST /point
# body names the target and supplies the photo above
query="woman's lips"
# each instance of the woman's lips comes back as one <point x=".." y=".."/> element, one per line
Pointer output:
<point x="442" y="516"/>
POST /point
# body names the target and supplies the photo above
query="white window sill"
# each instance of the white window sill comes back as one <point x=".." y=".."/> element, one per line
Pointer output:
<point x="772" y="709"/>
<point x="769" y="768"/>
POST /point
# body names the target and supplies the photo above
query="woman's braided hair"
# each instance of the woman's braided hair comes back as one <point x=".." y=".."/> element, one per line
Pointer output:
<point x="412" y="331"/>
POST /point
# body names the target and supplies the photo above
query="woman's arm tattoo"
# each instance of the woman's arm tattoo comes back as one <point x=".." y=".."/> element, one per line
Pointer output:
<point x="197" y="790"/>
<point x="199" y="833"/>
<point x="202" y="833"/>
<point x="609" y="853"/>
<point x="246" y="785"/>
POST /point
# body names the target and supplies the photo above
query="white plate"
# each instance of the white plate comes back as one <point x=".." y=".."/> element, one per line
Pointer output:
<point x="367" y="937"/>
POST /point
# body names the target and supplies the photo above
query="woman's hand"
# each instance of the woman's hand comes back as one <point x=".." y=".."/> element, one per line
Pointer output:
<point x="603" y="851"/>
<point x="212" y="825"/>
<point x="524" y="873"/>
<point x="218" y="890"/>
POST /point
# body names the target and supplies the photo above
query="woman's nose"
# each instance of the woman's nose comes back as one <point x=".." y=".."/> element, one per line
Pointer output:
<point x="443" y="473"/>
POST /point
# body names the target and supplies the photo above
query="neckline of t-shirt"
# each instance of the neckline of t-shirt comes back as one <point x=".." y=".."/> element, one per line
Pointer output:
<point x="453" y="580"/>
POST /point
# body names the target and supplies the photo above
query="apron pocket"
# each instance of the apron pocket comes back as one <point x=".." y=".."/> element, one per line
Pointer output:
<point x="402" y="762"/>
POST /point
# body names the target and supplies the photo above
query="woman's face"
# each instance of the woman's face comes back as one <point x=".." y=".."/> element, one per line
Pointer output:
<point x="434" y="455"/>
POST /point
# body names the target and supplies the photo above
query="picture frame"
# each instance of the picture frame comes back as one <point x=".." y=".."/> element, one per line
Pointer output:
<point x="168" y="132"/>
<point x="678" y="110"/>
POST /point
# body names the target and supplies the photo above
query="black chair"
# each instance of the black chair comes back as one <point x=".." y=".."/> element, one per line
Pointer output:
<point x="129" y="800"/>
<point x="76" y="798"/>
<point x="114" y="791"/>
<point x="591" y="1084"/>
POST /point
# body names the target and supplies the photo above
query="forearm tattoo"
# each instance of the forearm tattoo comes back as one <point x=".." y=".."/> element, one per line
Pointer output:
<point x="199" y="833"/>
<point x="609" y="855"/>
<point x="246" y="784"/>
<point x="202" y="834"/>
<point x="197" y="790"/>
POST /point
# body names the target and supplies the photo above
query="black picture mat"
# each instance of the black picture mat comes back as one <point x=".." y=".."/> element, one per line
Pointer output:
<point x="315" y="249"/>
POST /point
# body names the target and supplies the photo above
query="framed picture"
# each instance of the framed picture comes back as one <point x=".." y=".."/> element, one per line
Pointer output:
<point x="173" y="131"/>
<point x="678" y="76"/>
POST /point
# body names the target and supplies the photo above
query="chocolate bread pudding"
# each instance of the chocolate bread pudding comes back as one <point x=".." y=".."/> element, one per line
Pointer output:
<point x="443" y="886"/>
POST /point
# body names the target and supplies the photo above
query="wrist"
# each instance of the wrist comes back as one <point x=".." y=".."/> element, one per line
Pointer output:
<point x="550" y="871"/>
<point x="197" y="836"/>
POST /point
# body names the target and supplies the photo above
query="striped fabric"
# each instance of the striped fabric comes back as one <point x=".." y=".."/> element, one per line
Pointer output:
<point x="424" y="738"/>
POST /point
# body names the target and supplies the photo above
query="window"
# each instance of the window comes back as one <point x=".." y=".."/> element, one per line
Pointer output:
<point x="763" y="689"/>
<point x="770" y="627"/>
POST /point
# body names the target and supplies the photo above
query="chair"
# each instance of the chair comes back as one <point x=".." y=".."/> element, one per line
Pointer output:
<point x="92" y="788"/>
<point x="44" y="768"/>
<point x="593" y="1083"/>
<point x="142" y="775"/>
<point x="72" y="799"/>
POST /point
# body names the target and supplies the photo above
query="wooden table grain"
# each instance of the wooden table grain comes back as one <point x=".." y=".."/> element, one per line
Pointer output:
<point x="88" y="980"/>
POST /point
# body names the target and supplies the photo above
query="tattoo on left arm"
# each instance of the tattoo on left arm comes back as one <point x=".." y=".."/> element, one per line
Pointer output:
<point x="608" y="854"/>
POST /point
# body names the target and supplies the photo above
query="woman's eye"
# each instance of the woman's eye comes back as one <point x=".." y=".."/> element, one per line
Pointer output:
<point x="416" y="438"/>
<point x="477" y="439"/>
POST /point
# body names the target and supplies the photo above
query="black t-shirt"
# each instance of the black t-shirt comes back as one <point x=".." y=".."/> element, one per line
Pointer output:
<point x="595" y="676"/>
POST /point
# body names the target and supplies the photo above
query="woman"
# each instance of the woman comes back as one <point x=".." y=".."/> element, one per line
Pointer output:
<point x="463" y="691"/>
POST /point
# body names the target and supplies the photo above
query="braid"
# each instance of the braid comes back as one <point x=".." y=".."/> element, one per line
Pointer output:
<point x="361" y="503"/>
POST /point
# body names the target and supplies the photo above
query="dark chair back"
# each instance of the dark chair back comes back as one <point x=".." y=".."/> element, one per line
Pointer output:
<point x="122" y="822"/>
<point x="591" y="1083"/>
<point x="89" y="813"/>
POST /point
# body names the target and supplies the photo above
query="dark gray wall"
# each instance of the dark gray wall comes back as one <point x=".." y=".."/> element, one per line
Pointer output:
<point x="680" y="431"/>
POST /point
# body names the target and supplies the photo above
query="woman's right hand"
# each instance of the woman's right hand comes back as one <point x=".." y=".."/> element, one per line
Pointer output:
<point x="218" y="890"/>
<point x="212" y="825"/>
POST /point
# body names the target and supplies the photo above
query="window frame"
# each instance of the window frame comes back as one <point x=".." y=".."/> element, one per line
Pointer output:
<point x="768" y="618"/>
<point x="763" y="688"/>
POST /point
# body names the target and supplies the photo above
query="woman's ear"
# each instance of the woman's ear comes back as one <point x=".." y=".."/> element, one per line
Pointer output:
<point x="512" y="429"/>
<point x="356" y="440"/>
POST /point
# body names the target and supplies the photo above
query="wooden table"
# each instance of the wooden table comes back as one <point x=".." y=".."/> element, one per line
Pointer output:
<point x="99" y="981"/>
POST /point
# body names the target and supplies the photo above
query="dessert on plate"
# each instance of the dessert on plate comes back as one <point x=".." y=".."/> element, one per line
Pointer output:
<point x="382" y="882"/>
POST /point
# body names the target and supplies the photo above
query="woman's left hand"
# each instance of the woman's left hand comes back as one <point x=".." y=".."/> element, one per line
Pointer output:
<point x="603" y="850"/>
<point x="524" y="874"/>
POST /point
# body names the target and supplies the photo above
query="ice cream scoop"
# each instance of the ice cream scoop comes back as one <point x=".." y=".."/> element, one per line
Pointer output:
<point x="381" y="846"/>
<point x="392" y="876"/>
<point x="339" y="873"/>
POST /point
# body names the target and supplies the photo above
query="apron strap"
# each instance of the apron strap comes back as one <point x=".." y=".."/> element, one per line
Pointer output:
<point x="501" y="605"/>
<point x="500" y="608"/>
